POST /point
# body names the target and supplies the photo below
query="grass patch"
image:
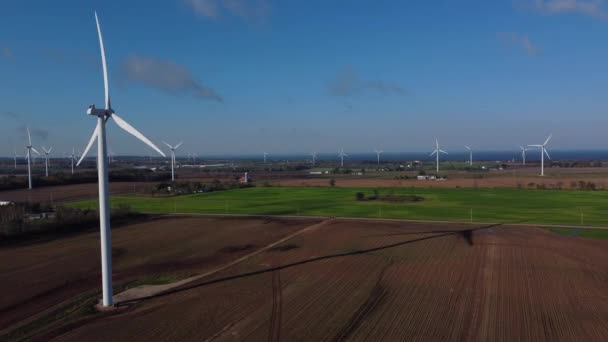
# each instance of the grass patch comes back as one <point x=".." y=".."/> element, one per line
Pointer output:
<point x="562" y="207"/>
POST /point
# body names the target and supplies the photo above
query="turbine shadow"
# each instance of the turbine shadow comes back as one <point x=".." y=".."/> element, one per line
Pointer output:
<point x="467" y="234"/>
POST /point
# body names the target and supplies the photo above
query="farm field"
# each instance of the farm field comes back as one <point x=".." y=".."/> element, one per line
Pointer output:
<point x="62" y="193"/>
<point x="565" y="207"/>
<point x="370" y="281"/>
<point x="40" y="276"/>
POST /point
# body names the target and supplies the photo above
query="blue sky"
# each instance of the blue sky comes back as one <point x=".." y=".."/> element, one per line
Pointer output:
<point x="243" y="76"/>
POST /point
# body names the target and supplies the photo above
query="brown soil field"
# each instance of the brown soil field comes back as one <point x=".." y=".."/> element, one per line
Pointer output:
<point x="38" y="276"/>
<point x="524" y="178"/>
<point x="62" y="193"/>
<point x="384" y="281"/>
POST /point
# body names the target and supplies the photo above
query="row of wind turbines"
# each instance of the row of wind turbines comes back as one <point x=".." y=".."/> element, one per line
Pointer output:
<point x="438" y="151"/>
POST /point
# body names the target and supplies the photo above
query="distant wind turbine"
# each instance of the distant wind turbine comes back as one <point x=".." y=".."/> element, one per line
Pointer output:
<point x="470" y="155"/>
<point x="436" y="152"/>
<point x="29" y="157"/>
<point x="378" y="152"/>
<point x="16" y="156"/>
<point x="523" y="153"/>
<point x="265" y="154"/>
<point x="173" y="148"/>
<point x="73" y="159"/>
<point x="342" y="155"/>
<point x="314" y="158"/>
<point x="543" y="151"/>
<point x="46" y="158"/>
<point x="99" y="134"/>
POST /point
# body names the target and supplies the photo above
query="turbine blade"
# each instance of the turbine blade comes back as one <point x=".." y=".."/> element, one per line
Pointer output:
<point x="33" y="149"/>
<point x="549" y="138"/>
<point x="442" y="151"/>
<point x="467" y="147"/>
<point x="547" y="153"/>
<point x="104" y="65"/>
<point x="169" y="146"/>
<point x="178" y="145"/>
<point x="433" y="153"/>
<point x="29" y="137"/>
<point x="124" y="125"/>
<point x="535" y="145"/>
<point x="50" y="149"/>
<point x="91" y="141"/>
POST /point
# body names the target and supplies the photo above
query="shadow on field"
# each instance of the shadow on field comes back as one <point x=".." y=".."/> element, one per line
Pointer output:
<point x="466" y="234"/>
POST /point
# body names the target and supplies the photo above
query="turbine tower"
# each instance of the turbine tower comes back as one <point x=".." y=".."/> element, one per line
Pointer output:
<point x="314" y="158"/>
<point x="73" y="158"/>
<point x="29" y="157"/>
<point x="46" y="158"/>
<point x="436" y="152"/>
<point x="523" y="154"/>
<point x="378" y="152"/>
<point x="342" y="155"/>
<point x="543" y="151"/>
<point x="99" y="134"/>
<point x="173" y="148"/>
<point x="470" y="155"/>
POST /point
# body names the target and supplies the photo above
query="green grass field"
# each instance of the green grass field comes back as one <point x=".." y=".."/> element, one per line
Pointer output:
<point x="486" y="205"/>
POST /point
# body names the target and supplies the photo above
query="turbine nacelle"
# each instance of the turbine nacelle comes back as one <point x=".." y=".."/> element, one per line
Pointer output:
<point x="92" y="110"/>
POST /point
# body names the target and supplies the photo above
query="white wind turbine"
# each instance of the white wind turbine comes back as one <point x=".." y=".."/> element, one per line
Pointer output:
<point x="378" y="153"/>
<point x="99" y="134"/>
<point x="470" y="155"/>
<point x="523" y="153"/>
<point x="265" y="154"/>
<point x="436" y="152"/>
<point x="543" y="151"/>
<point x="29" y="157"/>
<point x="173" y="148"/>
<point x="46" y="158"/>
<point x="342" y="155"/>
<point x="314" y="158"/>
<point x="16" y="156"/>
<point x="73" y="159"/>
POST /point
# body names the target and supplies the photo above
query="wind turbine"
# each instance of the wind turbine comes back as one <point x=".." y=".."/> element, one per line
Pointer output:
<point x="99" y="134"/>
<point x="378" y="152"/>
<point x="314" y="158"/>
<point x="73" y="158"/>
<point x="523" y="153"/>
<point x="265" y="154"/>
<point x="470" y="155"/>
<point x="173" y="148"/>
<point x="16" y="156"/>
<point x="29" y="157"/>
<point x="436" y="152"/>
<point x="543" y="151"/>
<point x="342" y="155"/>
<point x="46" y="158"/>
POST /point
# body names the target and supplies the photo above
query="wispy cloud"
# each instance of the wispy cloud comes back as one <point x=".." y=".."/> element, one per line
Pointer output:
<point x="593" y="8"/>
<point x="245" y="9"/>
<point x="7" y="53"/>
<point x="521" y="42"/>
<point x="166" y="76"/>
<point x="348" y="83"/>
<point x="38" y="134"/>
<point x="10" y="115"/>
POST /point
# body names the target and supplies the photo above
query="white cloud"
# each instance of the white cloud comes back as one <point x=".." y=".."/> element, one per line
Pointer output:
<point x="519" y="41"/>
<point x="246" y="9"/>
